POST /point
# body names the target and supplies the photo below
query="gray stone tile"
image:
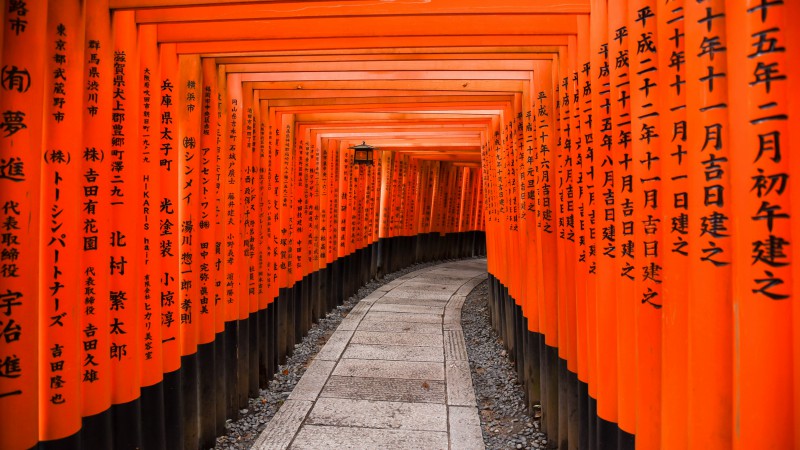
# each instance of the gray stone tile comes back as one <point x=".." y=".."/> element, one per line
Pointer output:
<point x="394" y="352"/>
<point x="321" y="437"/>
<point x="402" y="317"/>
<point x="387" y="389"/>
<point x="459" y="384"/>
<point x="310" y="385"/>
<point x="344" y="412"/>
<point x="452" y="319"/>
<point x="377" y="338"/>
<point x="399" y="327"/>
<point x="411" y="301"/>
<point x="421" y="294"/>
<point x="465" y="428"/>
<point x="454" y="347"/>
<point x="432" y="285"/>
<point x="409" y="370"/>
<point x="420" y="309"/>
<point x="439" y="278"/>
<point x="333" y="349"/>
<point x="283" y="427"/>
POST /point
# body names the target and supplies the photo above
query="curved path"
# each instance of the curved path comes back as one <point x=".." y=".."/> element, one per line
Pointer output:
<point x="395" y="373"/>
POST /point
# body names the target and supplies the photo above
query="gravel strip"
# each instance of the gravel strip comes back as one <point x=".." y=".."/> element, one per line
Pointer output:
<point x="243" y="432"/>
<point x="505" y="422"/>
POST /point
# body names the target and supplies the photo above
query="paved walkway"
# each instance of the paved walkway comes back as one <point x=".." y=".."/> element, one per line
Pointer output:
<point x="395" y="373"/>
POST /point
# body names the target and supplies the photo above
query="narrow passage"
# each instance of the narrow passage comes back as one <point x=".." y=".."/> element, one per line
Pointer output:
<point x="395" y="373"/>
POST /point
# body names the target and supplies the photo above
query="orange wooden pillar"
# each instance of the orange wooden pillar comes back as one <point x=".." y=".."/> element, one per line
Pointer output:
<point x="263" y="299"/>
<point x="188" y="112"/>
<point x="620" y="39"/>
<point x="242" y="138"/>
<point x="709" y="400"/>
<point x="566" y="235"/>
<point x="96" y="380"/>
<point x="152" y="395"/>
<point x="235" y="266"/>
<point x="24" y="51"/>
<point x="675" y="223"/>
<point x="646" y="141"/>
<point x="586" y="256"/>
<point x="126" y="188"/>
<point x="763" y="372"/>
<point x="286" y="194"/>
<point x="298" y="222"/>
<point x="602" y="314"/>
<point x="209" y="364"/>
<point x="546" y="235"/>
<point x="270" y="219"/>
<point x="169" y="243"/>
<point x="222" y="309"/>
<point x="60" y="242"/>
<point x="793" y="140"/>
<point x="574" y="179"/>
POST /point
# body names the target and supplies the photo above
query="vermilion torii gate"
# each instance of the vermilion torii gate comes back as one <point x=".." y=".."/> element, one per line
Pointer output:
<point x="180" y="203"/>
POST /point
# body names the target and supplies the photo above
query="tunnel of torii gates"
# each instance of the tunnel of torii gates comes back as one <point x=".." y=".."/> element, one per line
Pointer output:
<point x="180" y="202"/>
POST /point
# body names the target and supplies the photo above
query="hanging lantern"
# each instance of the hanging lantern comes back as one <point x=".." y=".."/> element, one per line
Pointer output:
<point x="363" y="153"/>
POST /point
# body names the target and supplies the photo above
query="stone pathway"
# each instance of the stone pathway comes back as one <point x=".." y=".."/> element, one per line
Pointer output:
<point x="395" y="373"/>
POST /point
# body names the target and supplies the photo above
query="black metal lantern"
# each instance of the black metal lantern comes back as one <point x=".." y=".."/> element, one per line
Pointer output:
<point x="363" y="153"/>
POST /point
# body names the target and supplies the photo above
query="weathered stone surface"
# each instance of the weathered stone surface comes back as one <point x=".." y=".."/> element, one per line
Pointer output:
<point x="465" y="428"/>
<point x="459" y="384"/>
<point x="417" y="309"/>
<point x="310" y="385"/>
<point x="387" y="389"/>
<point x="376" y="338"/>
<point x="320" y="437"/>
<point x="421" y="294"/>
<point x="283" y="427"/>
<point x="411" y="301"/>
<point x="384" y="316"/>
<point x="409" y="370"/>
<point x="378" y="414"/>
<point x="400" y="327"/>
<point x="394" y="352"/>
<point x="333" y="349"/>
<point x="454" y="347"/>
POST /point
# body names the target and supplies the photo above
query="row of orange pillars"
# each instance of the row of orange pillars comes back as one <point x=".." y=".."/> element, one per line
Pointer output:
<point x="642" y="244"/>
<point x="176" y="237"/>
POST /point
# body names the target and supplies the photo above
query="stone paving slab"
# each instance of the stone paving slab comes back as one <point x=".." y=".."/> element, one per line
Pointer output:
<point x="459" y="384"/>
<point x="415" y="391"/>
<point x="284" y="425"/>
<point x="394" y="353"/>
<point x="407" y="370"/>
<point x="402" y="317"/>
<point x="393" y="375"/>
<point x="333" y="349"/>
<point x="432" y="285"/>
<point x="408" y="308"/>
<point x="454" y="347"/>
<point x="438" y="303"/>
<point x="400" y="327"/>
<point x="417" y="294"/>
<point x="377" y="338"/>
<point x="310" y="385"/>
<point x="377" y="414"/>
<point x="320" y="437"/>
<point x="465" y="428"/>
